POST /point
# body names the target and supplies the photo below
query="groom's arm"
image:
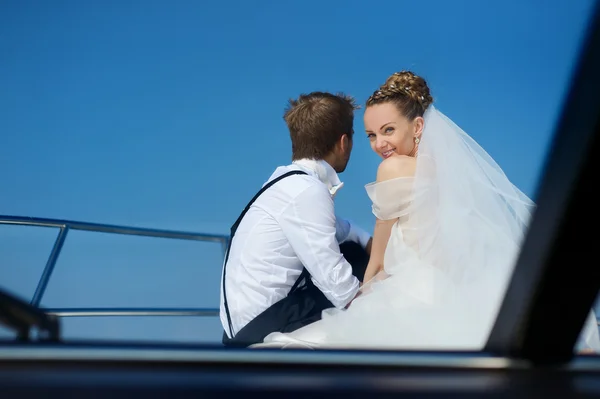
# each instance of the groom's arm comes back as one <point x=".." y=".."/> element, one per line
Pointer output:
<point x="309" y="224"/>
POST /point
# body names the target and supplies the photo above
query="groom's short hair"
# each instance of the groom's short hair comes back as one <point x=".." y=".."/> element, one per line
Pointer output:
<point x="317" y="121"/>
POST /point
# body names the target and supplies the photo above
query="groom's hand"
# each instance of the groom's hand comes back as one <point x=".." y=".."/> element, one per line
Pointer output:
<point x="356" y="296"/>
<point x="345" y="230"/>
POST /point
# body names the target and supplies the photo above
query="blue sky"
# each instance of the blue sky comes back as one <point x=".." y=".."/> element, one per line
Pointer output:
<point x="169" y="115"/>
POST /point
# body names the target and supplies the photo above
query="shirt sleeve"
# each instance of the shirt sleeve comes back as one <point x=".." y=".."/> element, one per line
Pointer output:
<point x="309" y="224"/>
<point x="348" y="231"/>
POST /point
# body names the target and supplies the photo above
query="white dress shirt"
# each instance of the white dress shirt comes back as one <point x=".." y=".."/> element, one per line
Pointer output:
<point x="292" y="225"/>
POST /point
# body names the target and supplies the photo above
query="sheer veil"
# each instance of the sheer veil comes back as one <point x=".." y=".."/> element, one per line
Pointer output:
<point x="467" y="218"/>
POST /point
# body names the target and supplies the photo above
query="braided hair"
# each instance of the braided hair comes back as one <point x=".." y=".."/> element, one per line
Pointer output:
<point x="407" y="91"/>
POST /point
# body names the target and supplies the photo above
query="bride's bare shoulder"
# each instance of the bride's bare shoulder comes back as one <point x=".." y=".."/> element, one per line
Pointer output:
<point x="396" y="166"/>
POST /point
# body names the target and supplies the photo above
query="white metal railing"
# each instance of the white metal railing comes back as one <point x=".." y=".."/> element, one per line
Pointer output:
<point x="64" y="226"/>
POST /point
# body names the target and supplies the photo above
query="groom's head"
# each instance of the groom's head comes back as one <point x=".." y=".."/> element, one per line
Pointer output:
<point x="321" y="127"/>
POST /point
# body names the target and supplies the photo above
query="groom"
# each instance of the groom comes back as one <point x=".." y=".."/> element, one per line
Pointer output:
<point x="290" y="257"/>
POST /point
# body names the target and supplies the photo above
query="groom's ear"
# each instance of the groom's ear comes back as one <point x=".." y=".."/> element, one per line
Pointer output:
<point x="345" y="143"/>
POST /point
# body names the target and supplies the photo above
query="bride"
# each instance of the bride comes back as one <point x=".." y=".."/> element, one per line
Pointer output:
<point x="448" y="232"/>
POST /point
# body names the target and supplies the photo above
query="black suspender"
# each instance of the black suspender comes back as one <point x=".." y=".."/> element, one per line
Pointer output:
<point x="233" y="230"/>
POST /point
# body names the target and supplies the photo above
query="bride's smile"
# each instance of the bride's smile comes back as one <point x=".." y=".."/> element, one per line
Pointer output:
<point x="389" y="153"/>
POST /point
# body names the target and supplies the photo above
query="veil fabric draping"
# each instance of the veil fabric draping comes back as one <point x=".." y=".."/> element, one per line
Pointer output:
<point x="448" y="260"/>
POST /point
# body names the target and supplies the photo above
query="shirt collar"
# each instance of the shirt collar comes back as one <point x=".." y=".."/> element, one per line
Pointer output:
<point x="324" y="172"/>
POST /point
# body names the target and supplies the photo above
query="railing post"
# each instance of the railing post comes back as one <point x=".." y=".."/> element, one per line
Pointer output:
<point x="43" y="283"/>
<point x="224" y="246"/>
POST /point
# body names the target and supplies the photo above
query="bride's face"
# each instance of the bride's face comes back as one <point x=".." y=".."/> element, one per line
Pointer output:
<point x="389" y="132"/>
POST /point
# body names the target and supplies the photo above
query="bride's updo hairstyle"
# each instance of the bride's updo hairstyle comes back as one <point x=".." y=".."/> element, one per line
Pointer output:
<point x="407" y="91"/>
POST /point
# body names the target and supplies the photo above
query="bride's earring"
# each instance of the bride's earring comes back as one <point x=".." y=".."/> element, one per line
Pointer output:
<point x="415" y="149"/>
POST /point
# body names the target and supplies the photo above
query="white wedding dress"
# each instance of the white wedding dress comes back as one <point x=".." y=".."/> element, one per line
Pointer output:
<point x="448" y="260"/>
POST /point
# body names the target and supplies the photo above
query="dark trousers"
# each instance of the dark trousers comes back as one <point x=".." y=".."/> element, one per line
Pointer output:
<point x="302" y="306"/>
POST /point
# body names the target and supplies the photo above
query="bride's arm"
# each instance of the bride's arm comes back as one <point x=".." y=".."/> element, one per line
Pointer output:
<point x="390" y="168"/>
<point x="381" y="235"/>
